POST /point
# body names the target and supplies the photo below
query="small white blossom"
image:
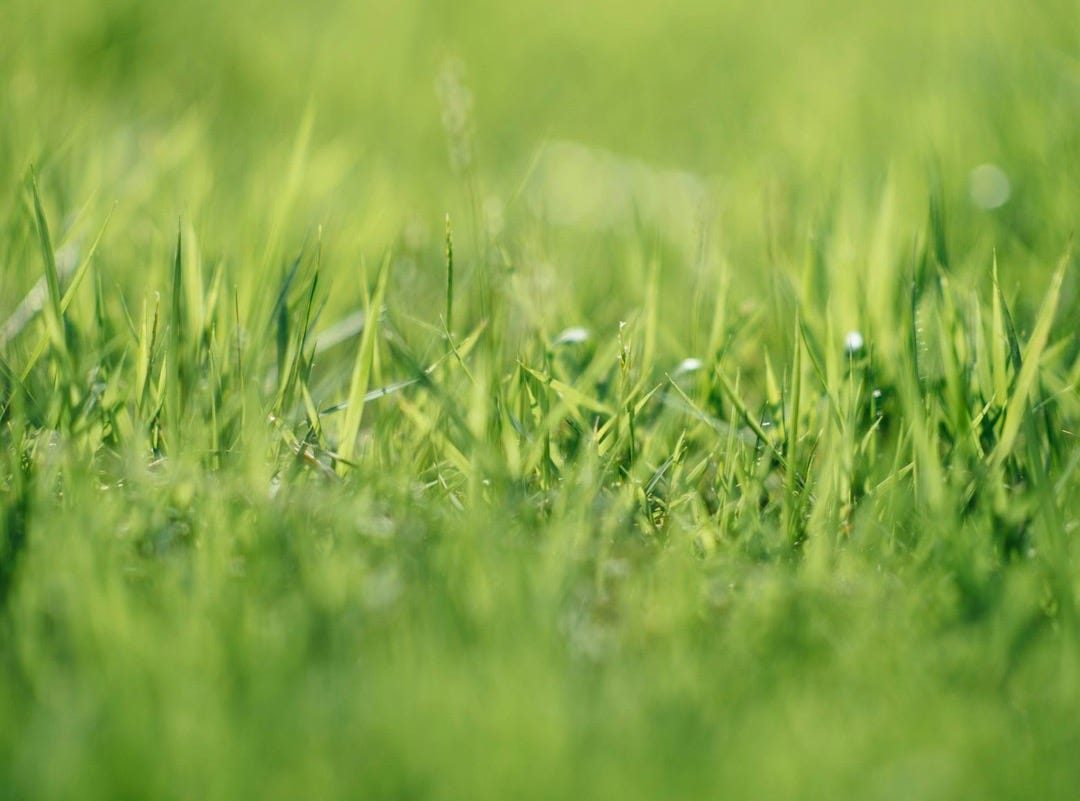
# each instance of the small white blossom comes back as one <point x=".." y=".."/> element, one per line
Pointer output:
<point x="572" y="336"/>
<point x="689" y="365"/>
<point x="853" y="342"/>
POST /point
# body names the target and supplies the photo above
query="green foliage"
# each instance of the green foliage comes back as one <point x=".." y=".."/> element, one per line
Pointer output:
<point x="723" y="446"/>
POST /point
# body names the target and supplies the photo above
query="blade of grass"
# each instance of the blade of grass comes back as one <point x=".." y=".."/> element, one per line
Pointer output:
<point x="449" y="277"/>
<point x="1025" y="380"/>
<point x="54" y="313"/>
<point x="69" y="293"/>
<point x="361" y="374"/>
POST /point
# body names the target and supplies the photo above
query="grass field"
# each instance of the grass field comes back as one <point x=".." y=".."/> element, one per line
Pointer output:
<point x="539" y="400"/>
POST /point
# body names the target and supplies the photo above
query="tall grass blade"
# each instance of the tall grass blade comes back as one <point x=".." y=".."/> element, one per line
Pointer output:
<point x="1029" y="370"/>
<point x="54" y="312"/>
<point x="361" y="374"/>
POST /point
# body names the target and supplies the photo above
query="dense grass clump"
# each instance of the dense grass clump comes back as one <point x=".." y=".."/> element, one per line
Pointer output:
<point x="574" y="401"/>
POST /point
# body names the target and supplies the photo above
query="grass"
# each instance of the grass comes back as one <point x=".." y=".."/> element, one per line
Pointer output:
<point x="550" y="402"/>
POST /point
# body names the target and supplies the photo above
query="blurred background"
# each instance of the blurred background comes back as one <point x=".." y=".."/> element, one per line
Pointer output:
<point x="569" y="142"/>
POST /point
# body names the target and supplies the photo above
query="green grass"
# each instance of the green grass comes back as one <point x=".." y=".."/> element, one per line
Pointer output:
<point x="414" y="400"/>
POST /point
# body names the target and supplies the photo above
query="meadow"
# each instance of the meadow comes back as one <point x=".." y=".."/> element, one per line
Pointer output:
<point x="539" y="400"/>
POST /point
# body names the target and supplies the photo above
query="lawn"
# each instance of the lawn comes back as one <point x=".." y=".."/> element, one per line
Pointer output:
<point x="538" y="400"/>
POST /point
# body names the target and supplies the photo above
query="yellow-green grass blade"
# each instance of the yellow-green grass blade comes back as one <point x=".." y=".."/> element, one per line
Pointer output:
<point x="1029" y="370"/>
<point x="361" y="374"/>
